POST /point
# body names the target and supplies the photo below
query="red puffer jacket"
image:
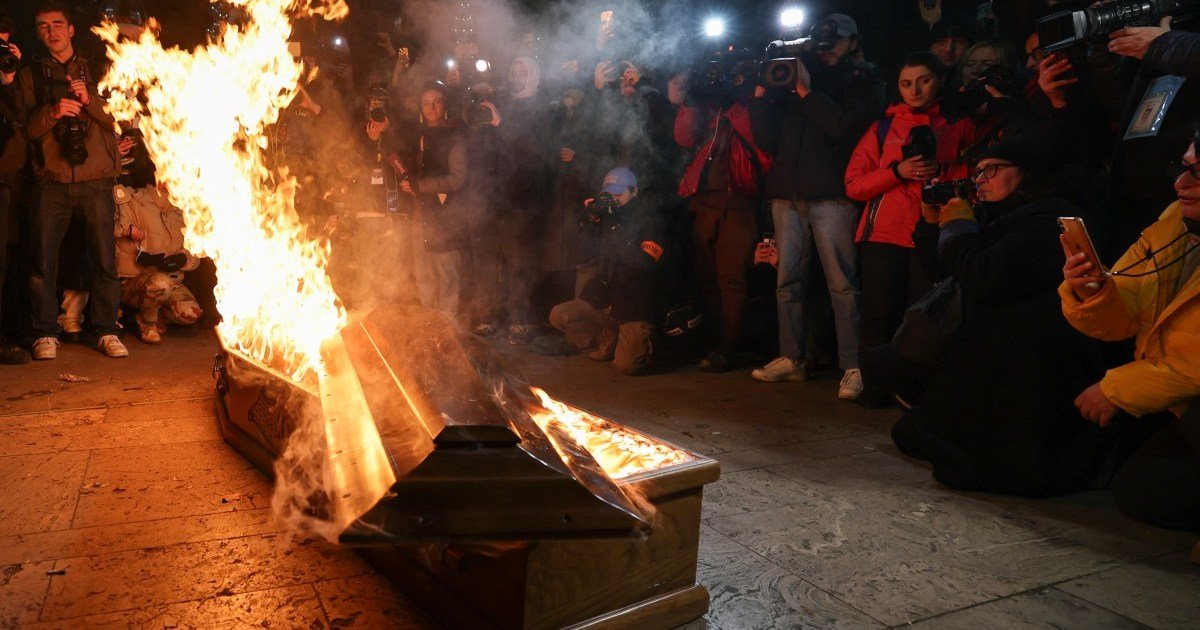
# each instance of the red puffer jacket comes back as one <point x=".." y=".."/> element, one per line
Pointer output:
<point x="895" y="205"/>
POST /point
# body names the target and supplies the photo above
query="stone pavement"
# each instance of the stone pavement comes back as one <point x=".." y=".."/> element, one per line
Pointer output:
<point x="120" y="506"/>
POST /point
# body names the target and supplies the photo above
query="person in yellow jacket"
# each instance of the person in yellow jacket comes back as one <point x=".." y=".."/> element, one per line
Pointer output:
<point x="1151" y="293"/>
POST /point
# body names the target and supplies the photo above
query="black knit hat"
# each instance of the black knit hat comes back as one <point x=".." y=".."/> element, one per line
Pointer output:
<point x="1031" y="154"/>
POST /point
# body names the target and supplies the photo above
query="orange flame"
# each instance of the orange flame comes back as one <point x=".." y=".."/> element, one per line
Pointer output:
<point x="619" y="451"/>
<point x="204" y="115"/>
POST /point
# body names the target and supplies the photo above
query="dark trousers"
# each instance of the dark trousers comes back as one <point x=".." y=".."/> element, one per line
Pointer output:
<point x="723" y="242"/>
<point x="56" y="203"/>
<point x="892" y="279"/>
<point x="1160" y="483"/>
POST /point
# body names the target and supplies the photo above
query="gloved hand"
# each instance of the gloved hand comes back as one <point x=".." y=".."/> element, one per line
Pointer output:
<point x="954" y="210"/>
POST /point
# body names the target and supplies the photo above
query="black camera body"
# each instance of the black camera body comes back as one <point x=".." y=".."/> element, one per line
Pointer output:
<point x="922" y="142"/>
<point x="9" y="63"/>
<point x="783" y="57"/>
<point x="602" y="211"/>
<point x="70" y="131"/>
<point x="1000" y="76"/>
<point x="1067" y="28"/>
<point x="377" y="104"/>
<point x="942" y="192"/>
<point x="478" y="114"/>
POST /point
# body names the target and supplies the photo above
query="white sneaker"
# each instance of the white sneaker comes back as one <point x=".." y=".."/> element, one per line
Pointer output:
<point x="851" y="385"/>
<point x="112" y="347"/>
<point x="781" y="369"/>
<point x="45" y="348"/>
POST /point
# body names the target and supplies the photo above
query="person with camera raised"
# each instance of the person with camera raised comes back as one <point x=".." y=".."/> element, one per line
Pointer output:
<point x="1152" y="295"/>
<point x="834" y="100"/>
<point x="619" y="307"/>
<point x="77" y="161"/>
<point x="996" y="415"/>
<point x="12" y="160"/>
<point x="893" y="161"/>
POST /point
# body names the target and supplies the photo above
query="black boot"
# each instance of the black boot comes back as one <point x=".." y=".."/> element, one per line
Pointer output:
<point x="12" y="354"/>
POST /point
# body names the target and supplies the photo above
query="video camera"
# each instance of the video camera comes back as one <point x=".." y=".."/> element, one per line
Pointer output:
<point x="1067" y="28"/>
<point x="780" y="67"/>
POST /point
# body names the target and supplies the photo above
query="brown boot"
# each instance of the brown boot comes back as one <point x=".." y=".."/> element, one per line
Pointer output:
<point x="606" y="347"/>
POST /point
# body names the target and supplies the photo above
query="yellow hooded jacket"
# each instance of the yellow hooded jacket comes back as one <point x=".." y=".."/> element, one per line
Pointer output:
<point x="1164" y="315"/>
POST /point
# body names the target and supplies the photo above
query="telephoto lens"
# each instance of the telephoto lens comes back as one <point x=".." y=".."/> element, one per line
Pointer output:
<point x="8" y="61"/>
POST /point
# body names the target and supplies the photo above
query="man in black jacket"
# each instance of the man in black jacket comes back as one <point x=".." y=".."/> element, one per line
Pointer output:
<point x="823" y="120"/>
<point x="12" y="158"/>
<point x="618" y="308"/>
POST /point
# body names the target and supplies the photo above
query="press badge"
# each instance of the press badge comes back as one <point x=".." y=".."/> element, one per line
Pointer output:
<point x="1152" y="110"/>
<point x="376" y="177"/>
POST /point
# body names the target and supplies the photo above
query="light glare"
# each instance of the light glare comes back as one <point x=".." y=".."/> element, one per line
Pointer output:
<point x="791" y="17"/>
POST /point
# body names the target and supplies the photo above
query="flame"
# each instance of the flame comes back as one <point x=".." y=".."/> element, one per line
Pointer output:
<point x="203" y="115"/>
<point x="619" y="451"/>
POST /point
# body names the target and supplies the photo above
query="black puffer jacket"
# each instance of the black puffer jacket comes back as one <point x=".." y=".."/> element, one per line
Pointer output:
<point x="818" y="132"/>
<point x="999" y="414"/>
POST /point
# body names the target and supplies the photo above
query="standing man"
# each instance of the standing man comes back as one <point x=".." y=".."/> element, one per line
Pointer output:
<point x="12" y="158"/>
<point x="834" y="102"/>
<point x="77" y="161"/>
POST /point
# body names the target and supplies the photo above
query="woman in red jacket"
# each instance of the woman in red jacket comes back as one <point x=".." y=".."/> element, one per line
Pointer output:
<point x="879" y="173"/>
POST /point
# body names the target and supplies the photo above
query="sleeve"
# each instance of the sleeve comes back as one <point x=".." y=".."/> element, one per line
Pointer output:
<point x="863" y="102"/>
<point x="38" y="120"/>
<point x="455" y="177"/>
<point x="866" y="178"/>
<point x="764" y="124"/>
<point x="1144" y="387"/>
<point x="1175" y="52"/>
<point x="1019" y="263"/>
<point x="1111" y="314"/>
<point x="687" y="126"/>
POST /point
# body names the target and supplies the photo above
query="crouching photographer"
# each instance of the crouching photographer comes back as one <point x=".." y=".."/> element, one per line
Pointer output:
<point x="1152" y="294"/>
<point x="997" y="414"/>
<point x="617" y="309"/>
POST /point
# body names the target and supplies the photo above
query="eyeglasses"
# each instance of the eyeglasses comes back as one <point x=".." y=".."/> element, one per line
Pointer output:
<point x="989" y="171"/>
<point x="1192" y="169"/>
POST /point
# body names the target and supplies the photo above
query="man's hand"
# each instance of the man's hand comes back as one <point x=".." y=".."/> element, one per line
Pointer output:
<point x="803" y="79"/>
<point x="8" y="77"/>
<point x="917" y="168"/>
<point x="930" y="15"/>
<point x="495" y="112"/>
<point x="766" y="254"/>
<point x="136" y="233"/>
<point x="79" y="89"/>
<point x="1134" y="41"/>
<point x="1079" y="274"/>
<point x="376" y="129"/>
<point x="308" y="103"/>
<point x="66" y="107"/>
<point x="1050" y="80"/>
<point x="1095" y="406"/>
<point x="406" y="186"/>
<point x="566" y="155"/>
<point x="930" y="213"/>
<point x="125" y="145"/>
<point x="606" y="72"/>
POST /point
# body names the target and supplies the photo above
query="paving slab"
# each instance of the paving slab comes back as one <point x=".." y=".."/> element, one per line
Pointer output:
<point x="39" y="491"/>
<point x="1161" y="592"/>
<point x="1045" y="609"/>
<point x="22" y="591"/>
<point x="369" y="601"/>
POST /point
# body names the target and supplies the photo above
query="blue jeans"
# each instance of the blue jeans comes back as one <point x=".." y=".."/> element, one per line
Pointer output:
<point x="56" y="203"/>
<point x="829" y="225"/>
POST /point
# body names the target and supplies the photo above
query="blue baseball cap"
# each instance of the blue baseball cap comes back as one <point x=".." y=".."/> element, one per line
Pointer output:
<point x="619" y="181"/>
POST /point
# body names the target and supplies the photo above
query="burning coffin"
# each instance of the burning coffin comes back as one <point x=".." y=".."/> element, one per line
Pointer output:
<point x="486" y="501"/>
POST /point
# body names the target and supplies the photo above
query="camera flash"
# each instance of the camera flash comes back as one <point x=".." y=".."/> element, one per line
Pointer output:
<point x="450" y="64"/>
<point x="791" y="17"/>
<point x="714" y="27"/>
<point x="482" y="66"/>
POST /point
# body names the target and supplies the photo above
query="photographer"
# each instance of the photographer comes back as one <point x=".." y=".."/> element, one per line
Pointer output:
<point x="439" y="177"/>
<point x="823" y="118"/>
<point x="619" y="307"/>
<point x="726" y="125"/>
<point x="1152" y="294"/>
<point x="888" y="170"/>
<point x="12" y="160"/>
<point x="997" y="413"/>
<point x="77" y="161"/>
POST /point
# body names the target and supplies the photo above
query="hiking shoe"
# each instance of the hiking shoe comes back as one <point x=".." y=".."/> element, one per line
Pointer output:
<point x="150" y="335"/>
<point x="521" y="335"/>
<point x="12" y="354"/>
<point x="112" y="347"/>
<point x="782" y="369"/>
<point x="45" y="348"/>
<point x="851" y="385"/>
<point x="716" y="362"/>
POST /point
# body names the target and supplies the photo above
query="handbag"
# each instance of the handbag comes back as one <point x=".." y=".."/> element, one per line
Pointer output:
<point x="930" y="325"/>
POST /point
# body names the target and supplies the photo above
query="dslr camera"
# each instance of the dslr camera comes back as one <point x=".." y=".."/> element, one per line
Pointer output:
<point x="779" y="69"/>
<point x="70" y="131"/>
<point x="477" y="114"/>
<point x="1067" y="28"/>
<point x="377" y="102"/>
<point x="1000" y="76"/>
<point x="942" y="192"/>
<point x="601" y="211"/>
<point x="8" y="61"/>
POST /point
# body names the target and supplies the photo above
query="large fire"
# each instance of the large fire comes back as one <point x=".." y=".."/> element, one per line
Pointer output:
<point x="204" y="115"/>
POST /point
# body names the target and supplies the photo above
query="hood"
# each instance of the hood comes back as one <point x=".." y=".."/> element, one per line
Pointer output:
<point x="535" y="77"/>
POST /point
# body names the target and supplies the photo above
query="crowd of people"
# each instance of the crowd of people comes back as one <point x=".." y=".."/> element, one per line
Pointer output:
<point x="895" y="219"/>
